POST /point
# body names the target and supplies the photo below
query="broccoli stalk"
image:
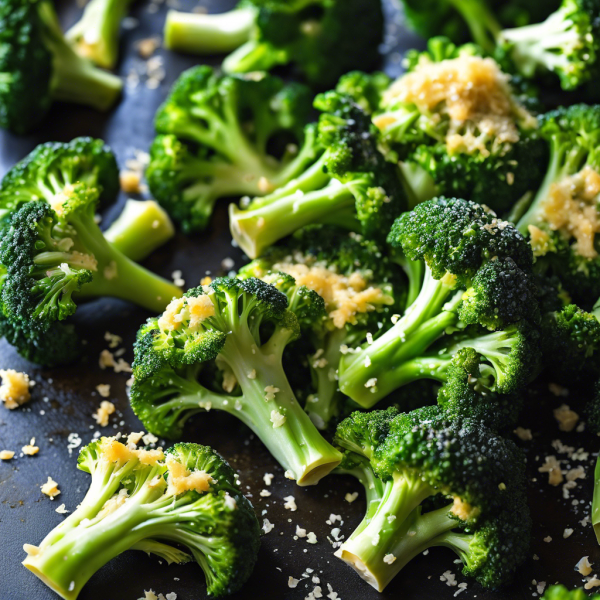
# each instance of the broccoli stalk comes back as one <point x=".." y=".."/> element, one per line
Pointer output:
<point x="440" y="484"/>
<point x="351" y="184"/>
<point x="96" y="34"/>
<point x="225" y="323"/>
<point x="209" y="34"/>
<point x="186" y="496"/>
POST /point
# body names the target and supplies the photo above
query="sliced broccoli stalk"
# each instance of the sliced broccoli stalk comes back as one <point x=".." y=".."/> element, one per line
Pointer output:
<point x="96" y="35"/>
<point x="190" y="499"/>
<point x="351" y="184"/>
<point x="210" y="33"/>
<point x="228" y="328"/>
<point x="141" y="228"/>
<point x="448" y="492"/>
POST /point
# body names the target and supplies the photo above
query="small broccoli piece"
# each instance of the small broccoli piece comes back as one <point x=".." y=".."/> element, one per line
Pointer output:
<point x="474" y="320"/>
<point x="55" y="254"/>
<point x="96" y="34"/>
<point x="242" y="327"/>
<point x="560" y="592"/>
<point x="366" y="89"/>
<point x="563" y="218"/>
<point x="37" y="66"/>
<point x="222" y="136"/>
<point x="321" y="39"/>
<point x="152" y="501"/>
<point x="350" y="184"/>
<point x="473" y="478"/>
<point x="461" y="128"/>
<point x="361" y="289"/>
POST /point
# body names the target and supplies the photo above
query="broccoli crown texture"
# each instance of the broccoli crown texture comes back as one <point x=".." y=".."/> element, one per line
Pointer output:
<point x="366" y="89"/>
<point x="222" y="136"/>
<point x="154" y="501"/>
<point x="477" y="294"/>
<point x="473" y="479"/>
<point x="221" y="347"/>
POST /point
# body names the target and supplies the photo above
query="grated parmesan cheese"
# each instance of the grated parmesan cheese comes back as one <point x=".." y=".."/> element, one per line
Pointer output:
<point x="14" y="391"/>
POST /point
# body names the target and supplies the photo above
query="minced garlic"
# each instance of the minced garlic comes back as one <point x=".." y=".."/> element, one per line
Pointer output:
<point x="104" y="411"/>
<point x="181" y="480"/>
<point x="14" y="390"/>
<point x="6" y="454"/>
<point x="193" y="310"/>
<point x="463" y="510"/>
<point x="50" y="488"/>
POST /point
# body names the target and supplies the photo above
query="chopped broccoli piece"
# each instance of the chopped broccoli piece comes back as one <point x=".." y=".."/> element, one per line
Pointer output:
<point x="152" y="501"/>
<point x="350" y="184"/>
<point x="321" y="39"/>
<point x="560" y="592"/>
<point x="473" y="325"/>
<point x="443" y="482"/>
<point x="241" y="327"/>
<point x="361" y="289"/>
<point x="461" y="128"/>
<point x="96" y="34"/>
<point x="38" y="66"/>
<point x="222" y="136"/>
<point x="563" y="218"/>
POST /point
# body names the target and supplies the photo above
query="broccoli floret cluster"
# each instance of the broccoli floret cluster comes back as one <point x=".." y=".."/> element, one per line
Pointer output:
<point x="157" y="502"/>
<point x="38" y="66"/>
<point x="440" y="481"/>
<point x="320" y="39"/>
<point x="560" y="592"/>
<point x="223" y="136"/>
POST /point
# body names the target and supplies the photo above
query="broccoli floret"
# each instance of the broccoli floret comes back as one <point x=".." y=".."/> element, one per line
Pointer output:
<point x="152" y="501"/>
<point x="477" y="294"/>
<point x="560" y="592"/>
<point x="222" y="136"/>
<point x="242" y="327"/>
<point x="321" y="39"/>
<point x="38" y="66"/>
<point x="96" y="34"/>
<point x="361" y="289"/>
<point x="54" y="254"/>
<point x="461" y="128"/>
<point x="563" y="218"/>
<point x="350" y="184"/>
<point x="474" y="478"/>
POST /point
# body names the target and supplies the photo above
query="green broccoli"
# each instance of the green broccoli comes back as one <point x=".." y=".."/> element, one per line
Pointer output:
<point x="152" y="501"/>
<point x="560" y="592"/>
<point x="55" y="254"/>
<point x="37" y="66"/>
<point x="222" y="136"/>
<point x="473" y="325"/>
<point x="595" y="516"/>
<point x="238" y="328"/>
<point x="350" y="184"/>
<point x="443" y="482"/>
<point x="362" y="289"/>
<point x="460" y="127"/>
<point x="321" y="39"/>
<point x="563" y="218"/>
<point x="96" y="34"/>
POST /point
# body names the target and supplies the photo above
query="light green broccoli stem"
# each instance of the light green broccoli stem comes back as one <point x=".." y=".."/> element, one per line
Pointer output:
<point x="471" y="554"/>
<point x="257" y="228"/>
<point x="397" y="532"/>
<point x="596" y="501"/>
<point x="376" y="369"/>
<point x="141" y="228"/>
<point x="255" y="55"/>
<point x="96" y="34"/>
<point x="168" y="553"/>
<point x="208" y="34"/>
<point x="418" y="184"/>
<point x="414" y="271"/>
<point x="76" y="79"/>
<point x="276" y="417"/>
<point x="481" y="22"/>
<point x="547" y="45"/>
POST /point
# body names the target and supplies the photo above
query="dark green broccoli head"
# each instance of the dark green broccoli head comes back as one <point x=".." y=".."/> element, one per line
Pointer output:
<point x="54" y="166"/>
<point x="366" y="89"/>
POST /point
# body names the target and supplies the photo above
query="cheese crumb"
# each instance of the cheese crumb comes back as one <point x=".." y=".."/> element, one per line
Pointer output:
<point x="293" y="582"/>
<point x="584" y="567"/>
<point x="104" y="411"/>
<point x="547" y="539"/>
<point x="290" y="503"/>
<point x="31" y="448"/>
<point x="61" y="510"/>
<point x="265" y="493"/>
<point x="311" y="538"/>
<point x="552" y="467"/>
<point x="270" y="392"/>
<point x="180" y="479"/>
<point x="523" y="434"/>
<point x="6" y="454"/>
<point x="301" y="533"/>
<point x="389" y="559"/>
<point x="50" y="488"/>
<point x="14" y="390"/>
<point x="592" y="583"/>
<point x="567" y="419"/>
<point x="103" y="389"/>
<point x="267" y="526"/>
<point x="567" y="533"/>
<point x="130" y="181"/>
<point x="350" y="498"/>
<point x="268" y="478"/>
<point x="277" y="419"/>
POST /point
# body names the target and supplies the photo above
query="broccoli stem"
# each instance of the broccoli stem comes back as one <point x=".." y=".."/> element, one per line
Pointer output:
<point x="414" y="270"/>
<point x="542" y="44"/>
<point x="141" y="228"/>
<point x="76" y="79"/>
<point x="257" y="229"/>
<point x="423" y="323"/>
<point x="255" y="55"/>
<point x="596" y="501"/>
<point x="96" y="35"/>
<point x="418" y="184"/>
<point x="402" y="537"/>
<point x="208" y="34"/>
<point x="296" y="443"/>
<point x="481" y="22"/>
